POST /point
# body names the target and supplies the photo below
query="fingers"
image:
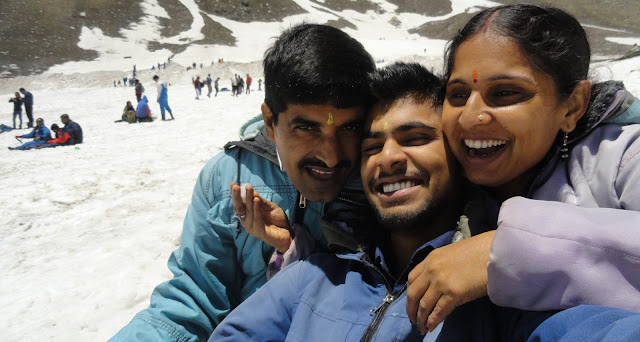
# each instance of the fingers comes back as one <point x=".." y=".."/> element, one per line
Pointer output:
<point x="425" y="307"/>
<point x="236" y="199"/>
<point x="248" y="223"/>
<point x="442" y="309"/>
<point x="416" y="288"/>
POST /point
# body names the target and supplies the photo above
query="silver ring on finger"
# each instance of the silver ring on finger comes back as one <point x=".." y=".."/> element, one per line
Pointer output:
<point x="239" y="217"/>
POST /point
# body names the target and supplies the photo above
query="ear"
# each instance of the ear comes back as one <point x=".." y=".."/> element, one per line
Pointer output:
<point x="577" y="105"/>
<point x="267" y="116"/>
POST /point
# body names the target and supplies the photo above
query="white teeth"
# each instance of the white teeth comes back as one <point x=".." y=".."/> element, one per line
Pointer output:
<point x="391" y="187"/>
<point x="483" y="143"/>
<point x="322" y="172"/>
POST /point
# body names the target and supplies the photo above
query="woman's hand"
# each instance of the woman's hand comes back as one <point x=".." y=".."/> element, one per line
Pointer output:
<point x="448" y="277"/>
<point x="261" y="218"/>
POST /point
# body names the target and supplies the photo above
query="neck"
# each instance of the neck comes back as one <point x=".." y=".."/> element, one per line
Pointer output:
<point x="516" y="187"/>
<point x="405" y="243"/>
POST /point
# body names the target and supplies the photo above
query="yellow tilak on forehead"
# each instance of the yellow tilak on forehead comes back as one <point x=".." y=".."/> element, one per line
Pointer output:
<point x="386" y="126"/>
<point x="330" y="119"/>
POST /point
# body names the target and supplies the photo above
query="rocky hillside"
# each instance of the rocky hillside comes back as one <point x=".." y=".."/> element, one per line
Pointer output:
<point x="37" y="34"/>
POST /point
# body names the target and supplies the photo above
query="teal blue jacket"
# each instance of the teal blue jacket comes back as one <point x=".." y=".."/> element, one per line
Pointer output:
<point x="218" y="264"/>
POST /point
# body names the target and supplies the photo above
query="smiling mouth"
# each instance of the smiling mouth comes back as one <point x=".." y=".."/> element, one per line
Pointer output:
<point x="484" y="148"/>
<point x="321" y="174"/>
<point x="389" y="189"/>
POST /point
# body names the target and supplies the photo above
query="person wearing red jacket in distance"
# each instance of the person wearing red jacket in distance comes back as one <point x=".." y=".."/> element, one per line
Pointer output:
<point x="249" y="80"/>
<point x="62" y="138"/>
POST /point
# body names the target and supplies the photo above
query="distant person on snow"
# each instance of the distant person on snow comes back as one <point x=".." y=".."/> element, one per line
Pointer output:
<point x="139" y="89"/>
<point x="73" y="128"/>
<point x="28" y="105"/>
<point x="143" y="113"/>
<point x="208" y="81"/>
<point x="128" y="113"/>
<point x="198" y="86"/>
<point x="215" y="85"/>
<point x="163" y="97"/>
<point x="249" y="80"/>
<point x="240" y="85"/>
<point x="234" y="85"/>
<point x="259" y="84"/>
<point x="40" y="135"/>
<point x="62" y="138"/>
<point x="17" y="109"/>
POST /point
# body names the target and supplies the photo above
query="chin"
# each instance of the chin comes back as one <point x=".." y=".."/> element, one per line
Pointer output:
<point x="320" y="196"/>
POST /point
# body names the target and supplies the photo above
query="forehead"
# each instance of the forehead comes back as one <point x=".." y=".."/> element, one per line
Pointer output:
<point x="321" y="114"/>
<point x="401" y="112"/>
<point x="490" y="52"/>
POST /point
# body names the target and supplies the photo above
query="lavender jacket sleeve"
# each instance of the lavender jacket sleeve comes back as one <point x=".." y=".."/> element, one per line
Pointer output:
<point x="548" y="255"/>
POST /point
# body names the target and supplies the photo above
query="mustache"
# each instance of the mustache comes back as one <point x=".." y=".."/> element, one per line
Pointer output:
<point x="398" y="172"/>
<point x="342" y="164"/>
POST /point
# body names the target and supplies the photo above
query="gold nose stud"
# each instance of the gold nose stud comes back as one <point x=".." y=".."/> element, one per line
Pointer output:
<point x="481" y="117"/>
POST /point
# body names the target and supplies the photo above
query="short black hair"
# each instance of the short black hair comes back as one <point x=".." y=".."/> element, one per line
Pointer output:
<point x="410" y="81"/>
<point x="155" y="77"/>
<point x="64" y="116"/>
<point x="22" y="89"/>
<point x="316" y="65"/>
<point x="54" y="127"/>
<point x="553" y="40"/>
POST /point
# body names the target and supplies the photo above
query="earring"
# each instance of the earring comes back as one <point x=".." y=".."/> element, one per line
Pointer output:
<point x="564" y="150"/>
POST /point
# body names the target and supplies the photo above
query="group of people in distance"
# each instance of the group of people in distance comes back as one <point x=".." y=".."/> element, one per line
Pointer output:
<point x="497" y="203"/>
<point x="69" y="134"/>
<point x="210" y="83"/>
<point x="18" y="101"/>
<point x="240" y="86"/>
<point x="142" y="112"/>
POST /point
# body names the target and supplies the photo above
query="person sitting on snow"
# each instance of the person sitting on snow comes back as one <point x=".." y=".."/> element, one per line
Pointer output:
<point x="73" y="128"/>
<point x="128" y="113"/>
<point x="143" y="113"/>
<point x="40" y="135"/>
<point x="62" y="138"/>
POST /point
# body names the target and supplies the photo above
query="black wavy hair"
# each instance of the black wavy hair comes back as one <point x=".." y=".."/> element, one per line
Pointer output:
<point x="405" y="81"/>
<point x="318" y="65"/>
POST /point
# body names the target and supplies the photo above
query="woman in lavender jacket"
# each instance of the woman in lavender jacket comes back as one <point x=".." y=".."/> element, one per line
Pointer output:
<point x="552" y="152"/>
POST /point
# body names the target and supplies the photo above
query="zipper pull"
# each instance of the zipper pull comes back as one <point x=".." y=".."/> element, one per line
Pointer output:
<point x="387" y="299"/>
<point x="303" y="202"/>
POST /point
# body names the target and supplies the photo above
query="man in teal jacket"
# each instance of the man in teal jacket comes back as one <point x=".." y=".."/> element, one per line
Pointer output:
<point x="303" y="158"/>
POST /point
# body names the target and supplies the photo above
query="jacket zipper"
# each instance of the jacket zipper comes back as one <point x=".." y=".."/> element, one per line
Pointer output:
<point x="381" y="308"/>
<point x="350" y="201"/>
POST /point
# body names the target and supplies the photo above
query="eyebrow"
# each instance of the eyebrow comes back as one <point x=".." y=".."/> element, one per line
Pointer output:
<point x="495" y="78"/>
<point x="401" y="129"/>
<point x="302" y="121"/>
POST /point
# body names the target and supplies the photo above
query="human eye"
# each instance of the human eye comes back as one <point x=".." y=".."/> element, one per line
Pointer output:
<point x="507" y="95"/>
<point x="370" y="147"/>
<point x="457" y="96"/>
<point x="417" y="139"/>
<point x="302" y="127"/>
<point x="351" y="129"/>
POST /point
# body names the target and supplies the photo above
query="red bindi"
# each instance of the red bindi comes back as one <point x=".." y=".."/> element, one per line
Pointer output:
<point x="475" y="76"/>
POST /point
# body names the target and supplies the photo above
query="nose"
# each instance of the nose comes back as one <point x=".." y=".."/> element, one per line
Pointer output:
<point x="329" y="150"/>
<point x="475" y="112"/>
<point x="391" y="156"/>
